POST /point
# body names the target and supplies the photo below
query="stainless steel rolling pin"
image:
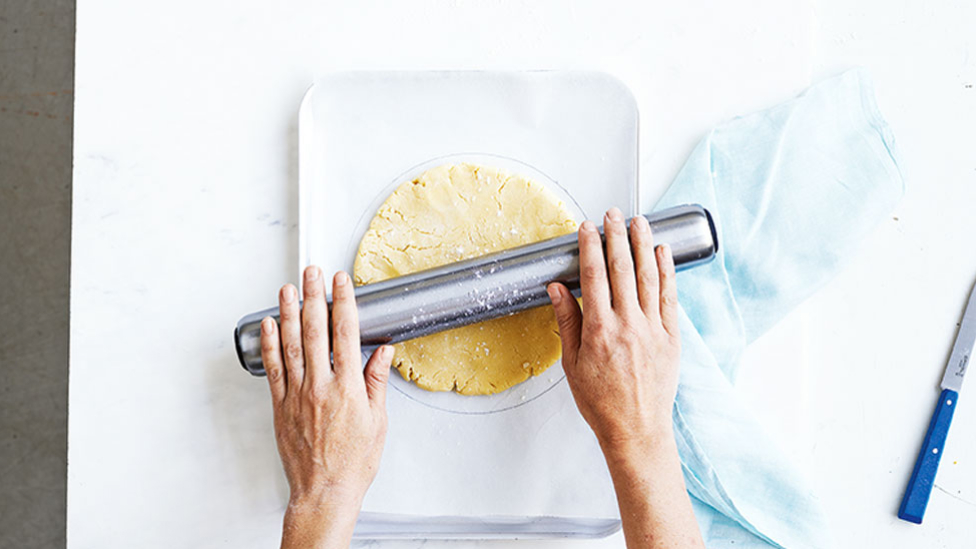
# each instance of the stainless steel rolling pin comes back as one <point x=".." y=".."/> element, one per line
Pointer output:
<point x="486" y="287"/>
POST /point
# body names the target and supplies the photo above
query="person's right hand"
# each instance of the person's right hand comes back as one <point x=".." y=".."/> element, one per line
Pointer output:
<point x="621" y="352"/>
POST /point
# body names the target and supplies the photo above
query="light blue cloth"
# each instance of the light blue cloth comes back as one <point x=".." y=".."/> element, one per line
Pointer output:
<point x="793" y="191"/>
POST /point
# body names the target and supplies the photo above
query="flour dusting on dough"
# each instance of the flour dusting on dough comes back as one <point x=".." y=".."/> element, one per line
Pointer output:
<point x="456" y="212"/>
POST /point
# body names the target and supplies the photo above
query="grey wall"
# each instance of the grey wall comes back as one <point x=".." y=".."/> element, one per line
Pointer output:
<point x="36" y="97"/>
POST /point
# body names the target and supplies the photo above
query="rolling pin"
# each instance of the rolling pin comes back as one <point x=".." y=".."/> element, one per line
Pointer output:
<point x="486" y="287"/>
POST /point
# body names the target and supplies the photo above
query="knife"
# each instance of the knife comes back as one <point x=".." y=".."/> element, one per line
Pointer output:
<point x="920" y="485"/>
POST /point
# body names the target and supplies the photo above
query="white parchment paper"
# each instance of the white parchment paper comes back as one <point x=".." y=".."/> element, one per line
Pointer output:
<point x="526" y="453"/>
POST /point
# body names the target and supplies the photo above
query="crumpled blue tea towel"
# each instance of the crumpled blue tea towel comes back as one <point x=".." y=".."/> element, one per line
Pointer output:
<point x="793" y="190"/>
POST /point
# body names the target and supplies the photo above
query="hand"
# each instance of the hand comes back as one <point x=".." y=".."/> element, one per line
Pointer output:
<point x="621" y="352"/>
<point x="329" y="416"/>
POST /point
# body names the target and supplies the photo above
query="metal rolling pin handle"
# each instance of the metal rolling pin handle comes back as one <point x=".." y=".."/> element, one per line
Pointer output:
<point x="486" y="287"/>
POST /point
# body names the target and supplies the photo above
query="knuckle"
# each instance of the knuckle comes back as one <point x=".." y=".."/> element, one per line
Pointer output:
<point x="274" y="373"/>
<point x="267" y="345"/>
<point x="592" y="272"/>
<point x="602" y="341"/>
<point x="619" y="265"/>
<point x="630" y="317"/>
<point x="318" y="394"/>
<point x="293" y="351"/>
<point x="312" y="290"/>
<point x="309" y="400"/>
<point x="380" y="375"/>
<point x="648" y="279"/>
<point x="289" y="410"/>
<point x="348" y="390"/>
<point x="309" y="397"/>
<point x="343" y="328"/>
<point x="596" y="326"/>
<point x="312" y="332"/>
<point x="563" y="316"/>
<point x="631" y="330"/>
<point x="638" y="244"/>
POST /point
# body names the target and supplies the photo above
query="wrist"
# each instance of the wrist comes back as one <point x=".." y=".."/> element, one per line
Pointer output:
<point x="639" y="446"/>
<point x="320" y="519"/>
<point x="326" y="496"/>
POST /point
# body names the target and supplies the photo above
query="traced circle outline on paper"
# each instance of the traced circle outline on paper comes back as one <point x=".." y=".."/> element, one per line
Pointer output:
<point x="454" y="403"/>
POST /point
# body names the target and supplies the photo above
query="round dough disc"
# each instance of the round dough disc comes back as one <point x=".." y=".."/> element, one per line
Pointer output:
<point x="451" y="213"/>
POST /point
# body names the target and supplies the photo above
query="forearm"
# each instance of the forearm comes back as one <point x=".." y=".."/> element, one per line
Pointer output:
<point x="654" y="505"/>
<point x="320" y="525"/>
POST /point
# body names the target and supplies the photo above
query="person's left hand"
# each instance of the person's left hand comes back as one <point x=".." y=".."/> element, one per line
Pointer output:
<point x="329" y="416"/>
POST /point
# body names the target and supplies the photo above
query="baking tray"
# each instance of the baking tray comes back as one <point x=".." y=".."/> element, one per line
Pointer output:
<point x="521" y="463"/>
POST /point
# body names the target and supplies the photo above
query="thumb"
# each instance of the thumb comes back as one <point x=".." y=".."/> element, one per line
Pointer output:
<point x="377" y="373"/>
<point x="570" y="320"/>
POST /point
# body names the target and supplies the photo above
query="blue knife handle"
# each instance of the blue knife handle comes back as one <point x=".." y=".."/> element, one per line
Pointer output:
<point x="920" y="485"/>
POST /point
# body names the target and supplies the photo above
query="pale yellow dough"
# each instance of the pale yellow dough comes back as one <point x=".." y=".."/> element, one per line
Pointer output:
<point x="456" y="212"/>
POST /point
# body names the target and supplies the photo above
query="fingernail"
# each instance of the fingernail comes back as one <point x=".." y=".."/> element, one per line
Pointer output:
<point x="614" y="214"/>
<point x="554" y="294"/>
<point x="588" y="226"/>
<point x="288" y="294"/>
<point x="386" y="352"/>
<point x="267" y="325"/>
<point x="341" y="278"/>
<point x="666" y="250"/>
<point x="641" y="223"/>
<point x="311" y="274"/>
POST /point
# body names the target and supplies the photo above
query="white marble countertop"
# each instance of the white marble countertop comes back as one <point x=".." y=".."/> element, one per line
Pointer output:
<point x="185" y="216"/>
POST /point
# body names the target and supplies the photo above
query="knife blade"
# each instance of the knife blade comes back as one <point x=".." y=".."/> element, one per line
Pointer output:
<point x="919" y="488"/>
